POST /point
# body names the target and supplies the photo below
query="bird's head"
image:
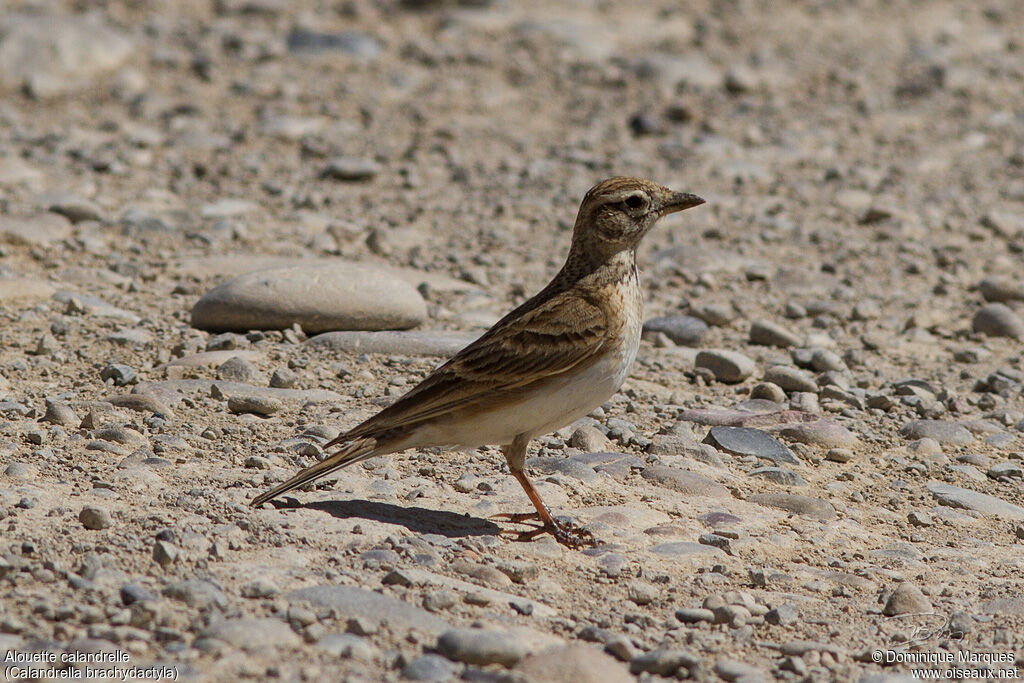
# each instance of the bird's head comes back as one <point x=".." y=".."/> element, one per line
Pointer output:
<point x="617" y="212"/>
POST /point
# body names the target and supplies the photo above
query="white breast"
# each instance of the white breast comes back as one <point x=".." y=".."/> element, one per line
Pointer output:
<point x="546" y="408"/>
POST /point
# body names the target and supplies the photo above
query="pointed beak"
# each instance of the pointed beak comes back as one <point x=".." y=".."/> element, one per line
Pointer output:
<point x="680" y="201"/>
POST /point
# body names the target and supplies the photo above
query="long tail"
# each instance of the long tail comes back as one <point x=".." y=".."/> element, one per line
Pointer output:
<point x="352" y="452"/>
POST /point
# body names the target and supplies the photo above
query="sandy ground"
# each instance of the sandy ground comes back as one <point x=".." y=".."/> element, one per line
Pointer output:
<point x="863" y="164"/>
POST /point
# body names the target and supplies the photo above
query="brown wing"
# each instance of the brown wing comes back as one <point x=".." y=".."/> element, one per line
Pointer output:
<point x="530" y="344"/>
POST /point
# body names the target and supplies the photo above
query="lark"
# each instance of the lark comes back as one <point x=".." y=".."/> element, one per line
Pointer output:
<point x="549" y="362"/>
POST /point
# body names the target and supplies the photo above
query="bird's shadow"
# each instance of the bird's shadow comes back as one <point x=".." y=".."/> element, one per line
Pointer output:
<point x="415" y="519"/>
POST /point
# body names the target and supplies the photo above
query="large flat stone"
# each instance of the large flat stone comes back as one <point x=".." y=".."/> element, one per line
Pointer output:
<point x="954" y="496"/>
<point x="747" y="441"/>
<point x="337" y="296"/>
<point x="15" y="291"/>
<point x="422" y="577"/>
<point x="41" y="230"/>
<point x="352" y="601"/>
<point x="689" y="483"/>
<point x="942" y="431"/>
<point x="253" y="635"/>
<point x="55" y="53"/>
<point x="801" y="505"/>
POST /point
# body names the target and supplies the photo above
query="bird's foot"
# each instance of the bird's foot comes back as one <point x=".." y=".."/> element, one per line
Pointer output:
<point x="569" y="535"/>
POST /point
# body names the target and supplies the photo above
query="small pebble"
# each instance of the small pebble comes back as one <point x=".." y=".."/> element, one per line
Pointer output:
<point x="95" y="518"/>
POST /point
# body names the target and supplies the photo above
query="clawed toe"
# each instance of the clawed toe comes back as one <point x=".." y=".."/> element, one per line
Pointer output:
<point x="568" y="535"/>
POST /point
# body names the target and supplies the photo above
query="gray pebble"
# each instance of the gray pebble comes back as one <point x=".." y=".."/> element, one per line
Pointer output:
<point x="768" y="391"/>
<point x="768" y="333"/>
<point x="715" y="314"/>
<point x="942" y="431"/>
<point x="733" y="670"/>
<point x="823" y="433"/>
<point x="998" y="320"/>
<point x="95" y="518"/>
<point x="132" y="593"/>
<point x="481" y="647"/>
<point x="319" y="298"/>
<point x="350" y="169"/>
<point x="227" y="341"/>
<point x="790" y="378"/>
<point x="801" y="505"/>
<point x="957" y="497"/>
<point x="689" y="483"/>
<point x="302" y="41"/>
<point x="906" y="599"/>
<point x="260" y="587"/>
<point x="920" y="518"/>
<point x="165" y="553"/>
<point x="283" y="378"/>
<point x="1009" y="470"/>
<point x="611" y="564"/>
<point x="347" y="645"/>
<point x="779" y="475"/>
<point x="197" y="593"/>
<point x="76" y="209"/>
<point x="254" y="635"/>
<point x="998" y="289"/>
<point x="683" y="330"/>
<point x="118" y="373"/>
<point x="589" y="439"/>
<point x="642" y="593"/>
<point x="373" y="606"/>
<point x="236" y="369"/>
<point x="429" y="668"/>
<point x="729" y="367"/>
<point x="440" y="599"/>
<point x="250" y="403"/>
<point x="794" y="311"/>
<point x="664" y="662"/>
<point x="693" y="615"/>
<point x="61" y="414"/>
<point x="840" y="455"/>
<point x="745" y="441"/>
<point x="823" y="360"/>
<point x="21" y="471"/>
<point x="783" y="615"/>
<point x="621" y="648"/>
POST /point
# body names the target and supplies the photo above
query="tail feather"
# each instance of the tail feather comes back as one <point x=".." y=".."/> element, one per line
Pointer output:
<point x="351" y="453"/>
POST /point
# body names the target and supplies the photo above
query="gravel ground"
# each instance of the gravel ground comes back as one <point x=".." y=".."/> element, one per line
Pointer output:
<point x="815" y="464"/>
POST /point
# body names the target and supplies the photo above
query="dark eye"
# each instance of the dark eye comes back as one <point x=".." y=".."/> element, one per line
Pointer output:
<point x="634" y="201"/>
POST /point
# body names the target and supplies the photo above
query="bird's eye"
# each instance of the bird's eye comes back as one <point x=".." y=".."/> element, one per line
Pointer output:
<point x="634" y="201"/>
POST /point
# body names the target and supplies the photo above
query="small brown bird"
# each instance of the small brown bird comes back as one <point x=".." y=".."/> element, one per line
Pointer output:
<point x="549" y="362"/>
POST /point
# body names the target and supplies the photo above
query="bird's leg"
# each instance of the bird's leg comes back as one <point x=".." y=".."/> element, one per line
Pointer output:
<point x="515" y="454"/>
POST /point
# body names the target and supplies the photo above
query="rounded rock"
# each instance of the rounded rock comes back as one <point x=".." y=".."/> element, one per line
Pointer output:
<point x="95" y="518"/>
<point x="681" y="329"/>
<point x="577" y="663"/>
<point x="998" y="320"/>
<point x="481" y="647"/>
<point x="906" y="599"/>
<point x="767" y="333"/>
<point x="768" y="391"/>
<point x="790" y="378"/>
<point x="341" y="296"/>
<point x="729" y="367"/>
<point x="997" y="289"/>
<point x="429" y="668"/>
<point x="237" y="369"/>
<point x="258" y="405"/>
